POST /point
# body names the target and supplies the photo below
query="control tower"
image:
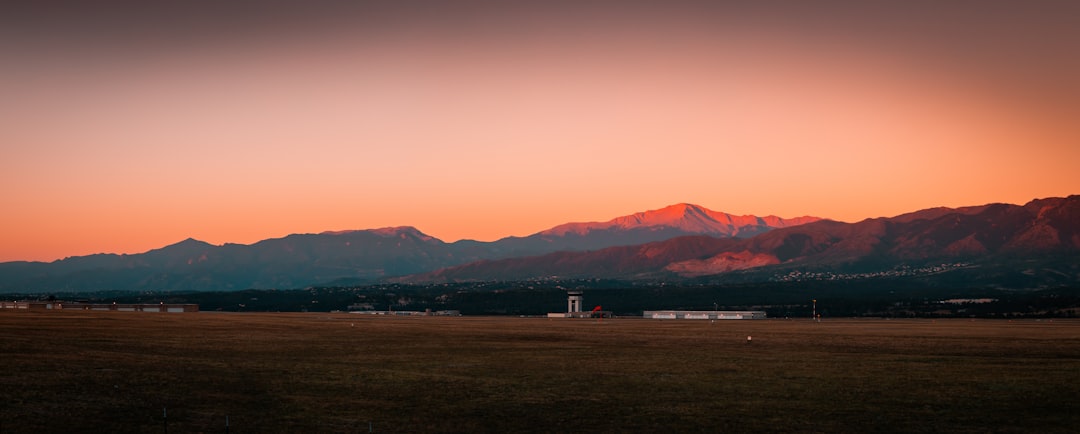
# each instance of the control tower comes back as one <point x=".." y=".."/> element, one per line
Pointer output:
<point x="573" y="301"/>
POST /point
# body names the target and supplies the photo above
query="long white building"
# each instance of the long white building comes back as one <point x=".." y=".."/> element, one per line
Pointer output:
<point x="704" y="314"/>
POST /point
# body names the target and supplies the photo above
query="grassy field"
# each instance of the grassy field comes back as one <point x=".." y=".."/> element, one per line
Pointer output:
<point x="115" y="372"/>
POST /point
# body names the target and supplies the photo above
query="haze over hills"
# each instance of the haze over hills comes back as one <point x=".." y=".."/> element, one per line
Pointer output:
<point x="1036" y="233"/>
<point x="359" y="256"/>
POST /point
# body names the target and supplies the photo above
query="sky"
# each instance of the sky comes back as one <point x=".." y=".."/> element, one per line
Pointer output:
<point x="127" y="125"/>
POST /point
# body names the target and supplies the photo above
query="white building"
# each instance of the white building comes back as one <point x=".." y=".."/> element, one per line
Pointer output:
<point x="704" y="314"/>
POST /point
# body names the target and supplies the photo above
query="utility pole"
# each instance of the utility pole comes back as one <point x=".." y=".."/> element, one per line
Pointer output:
<point x="815" y="310"/>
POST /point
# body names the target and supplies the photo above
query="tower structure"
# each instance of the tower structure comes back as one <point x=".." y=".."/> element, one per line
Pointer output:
<point x="573" y="301"/>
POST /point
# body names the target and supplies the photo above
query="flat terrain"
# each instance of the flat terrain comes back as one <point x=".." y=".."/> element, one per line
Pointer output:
<point x="116" y="371"/>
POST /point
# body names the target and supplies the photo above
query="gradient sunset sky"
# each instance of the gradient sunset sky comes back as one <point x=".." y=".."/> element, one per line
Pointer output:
<point x="130" y="125"/>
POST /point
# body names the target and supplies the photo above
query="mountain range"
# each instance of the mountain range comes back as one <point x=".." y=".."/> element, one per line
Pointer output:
<point x="359" y="256"/>
<point x="1040" y="238"/>
<point x="1037" y="243"/>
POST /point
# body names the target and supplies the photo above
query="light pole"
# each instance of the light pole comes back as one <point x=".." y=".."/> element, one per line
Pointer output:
<point x="815" y="309"/>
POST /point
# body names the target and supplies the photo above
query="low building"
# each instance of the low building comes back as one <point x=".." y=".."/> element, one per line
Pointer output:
<point x="126" y="307"/>
<point x="704" y="314"/>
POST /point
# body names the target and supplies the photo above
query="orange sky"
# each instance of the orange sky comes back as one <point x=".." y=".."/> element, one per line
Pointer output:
<point x="127" y="128"/>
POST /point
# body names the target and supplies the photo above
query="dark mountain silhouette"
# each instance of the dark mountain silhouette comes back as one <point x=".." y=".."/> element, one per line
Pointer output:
<point x="353" y="257"/>
<point x="290" y="262"/>
<point x="1002" y="234"/>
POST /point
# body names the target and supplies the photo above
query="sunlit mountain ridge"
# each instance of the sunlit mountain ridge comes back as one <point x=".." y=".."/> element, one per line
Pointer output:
<point x="685" y="217"/>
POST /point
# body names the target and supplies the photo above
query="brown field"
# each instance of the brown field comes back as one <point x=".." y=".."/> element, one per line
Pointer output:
<point x="115" y="372"/>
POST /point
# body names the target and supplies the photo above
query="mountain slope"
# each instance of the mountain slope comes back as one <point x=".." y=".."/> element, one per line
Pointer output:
<point x="621" y="261"/>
